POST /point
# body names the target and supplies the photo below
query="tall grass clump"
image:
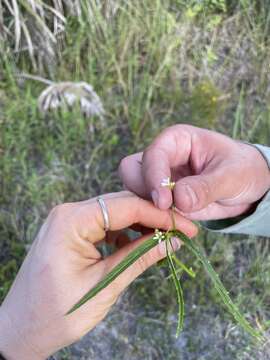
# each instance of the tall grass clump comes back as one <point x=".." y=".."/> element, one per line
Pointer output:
<point x="36" y="29"/>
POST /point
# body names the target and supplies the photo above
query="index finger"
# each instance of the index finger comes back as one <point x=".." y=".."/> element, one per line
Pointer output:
<point x="169" y="150"/>
<point x="125" y="209"/>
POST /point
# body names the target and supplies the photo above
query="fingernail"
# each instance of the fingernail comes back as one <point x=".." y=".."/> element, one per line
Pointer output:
<point x="176" y="243"/>
<point x="154" y="195"/>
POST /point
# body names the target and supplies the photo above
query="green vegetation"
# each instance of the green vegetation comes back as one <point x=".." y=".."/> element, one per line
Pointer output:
<point x="153" y="63"/>
<point x="173" y="262"/>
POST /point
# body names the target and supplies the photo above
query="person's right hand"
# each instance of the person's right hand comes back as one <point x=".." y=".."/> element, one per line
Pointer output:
<point x="216" y="177"/>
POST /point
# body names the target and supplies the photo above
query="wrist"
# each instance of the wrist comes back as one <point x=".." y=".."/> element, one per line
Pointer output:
<point x="13" y="344"/>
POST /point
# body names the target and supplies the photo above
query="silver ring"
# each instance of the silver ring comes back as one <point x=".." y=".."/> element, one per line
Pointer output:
<point x="104" y="213"/>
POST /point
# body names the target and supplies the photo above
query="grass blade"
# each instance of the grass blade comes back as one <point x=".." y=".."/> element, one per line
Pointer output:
<point x="17" y="22"/>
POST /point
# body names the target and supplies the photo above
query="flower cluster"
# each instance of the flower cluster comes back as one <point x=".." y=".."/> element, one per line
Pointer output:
<point x="159" y="235"/>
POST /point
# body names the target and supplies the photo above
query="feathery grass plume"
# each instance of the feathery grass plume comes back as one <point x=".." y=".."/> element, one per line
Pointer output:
<point x="65" y="95"/>
<point x="31" y="27"/>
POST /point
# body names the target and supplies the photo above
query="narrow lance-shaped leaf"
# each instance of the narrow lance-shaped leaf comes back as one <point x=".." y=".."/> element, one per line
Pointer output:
<point x="178" y="288"/>
<point x="118" y="269"/>
<point x="233" y="309"/>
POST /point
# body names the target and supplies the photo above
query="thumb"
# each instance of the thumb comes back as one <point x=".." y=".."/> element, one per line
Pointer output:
<point x="194" y="193"/>
<point x="150" y="258"/>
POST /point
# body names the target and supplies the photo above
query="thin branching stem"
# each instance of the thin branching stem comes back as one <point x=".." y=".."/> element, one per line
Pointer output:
<point x="224" y="294"/>
<point x="178" y="289"/>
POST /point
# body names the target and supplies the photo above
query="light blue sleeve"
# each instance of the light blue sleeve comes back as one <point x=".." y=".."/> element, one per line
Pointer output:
<point x="258" y="223"/>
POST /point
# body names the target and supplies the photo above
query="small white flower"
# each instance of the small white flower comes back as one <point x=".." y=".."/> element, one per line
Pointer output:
<point x="167" y="183"/>
<point x="159" y="235"/>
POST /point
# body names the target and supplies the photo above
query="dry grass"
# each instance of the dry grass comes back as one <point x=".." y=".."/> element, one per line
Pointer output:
<point x="37" y="28"/>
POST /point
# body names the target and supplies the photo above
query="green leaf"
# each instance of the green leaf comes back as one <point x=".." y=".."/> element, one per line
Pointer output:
<point x="233" y="309"/>
<point x="195" y="249"/>
<point x="178" y="289"/>
<point x="122" y="266"/>
<point x="182" y="266"/>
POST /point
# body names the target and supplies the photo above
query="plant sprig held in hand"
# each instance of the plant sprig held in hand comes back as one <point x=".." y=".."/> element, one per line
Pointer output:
<point x="175" y="265"/>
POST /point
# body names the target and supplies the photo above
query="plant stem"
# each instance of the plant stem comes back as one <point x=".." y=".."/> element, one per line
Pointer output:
<point x="178" y="288"/>
<point x="182" y="266"/>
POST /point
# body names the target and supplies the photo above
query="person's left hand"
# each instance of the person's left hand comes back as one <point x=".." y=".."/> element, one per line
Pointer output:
<point x="64" y="263"/>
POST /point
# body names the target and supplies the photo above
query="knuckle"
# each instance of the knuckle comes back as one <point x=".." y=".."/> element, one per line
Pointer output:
<point x="61" y="210"/>
<point x="169" y="131"/>
<point x="202" y="192"/>
<point x="172" y="131"/>
<point x="196" y="139"/>
<point x="205" y="187"/>
<point x="147" y="152"/>
<point x="155" y="149"/>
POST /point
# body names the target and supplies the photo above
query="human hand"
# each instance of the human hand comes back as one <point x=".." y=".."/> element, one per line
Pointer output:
<point x="64" y="263"/>
<point x="216" y="177"/>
